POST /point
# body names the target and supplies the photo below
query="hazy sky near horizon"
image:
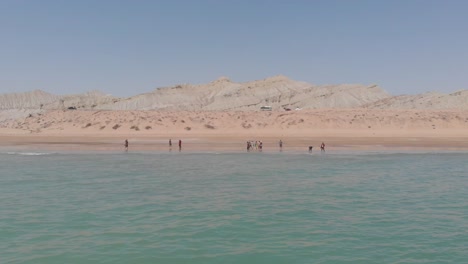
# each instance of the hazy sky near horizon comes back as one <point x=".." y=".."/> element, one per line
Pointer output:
<point x="130" y="47"/>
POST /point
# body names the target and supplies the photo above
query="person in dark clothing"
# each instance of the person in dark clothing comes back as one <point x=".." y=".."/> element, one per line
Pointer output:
<point x="322" y="147"/>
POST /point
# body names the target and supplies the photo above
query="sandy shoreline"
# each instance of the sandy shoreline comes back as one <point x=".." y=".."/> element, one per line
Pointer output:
<point x="353" y="141"/>
<point x="229" y="130"/>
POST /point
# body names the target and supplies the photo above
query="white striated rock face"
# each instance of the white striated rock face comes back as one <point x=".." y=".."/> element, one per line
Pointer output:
<point x="41" y="100"/>
<point x="28" y="100"/>
<point x="89" y="100"/>
<point x="279" y="92"/>
<point x="432" y="100"/>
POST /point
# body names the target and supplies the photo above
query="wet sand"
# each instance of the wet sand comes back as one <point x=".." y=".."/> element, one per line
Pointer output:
<point x="233" y="142"/>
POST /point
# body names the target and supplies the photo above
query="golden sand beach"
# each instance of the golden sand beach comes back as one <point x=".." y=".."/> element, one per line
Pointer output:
<point x="229" y="130"/>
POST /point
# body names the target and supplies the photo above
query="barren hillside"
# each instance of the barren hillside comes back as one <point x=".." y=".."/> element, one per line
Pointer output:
<point x="279" y="92"/>
<point x="222" y="94"/>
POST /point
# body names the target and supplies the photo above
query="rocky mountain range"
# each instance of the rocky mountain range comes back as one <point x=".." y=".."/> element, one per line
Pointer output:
<point x="279" y="92"/>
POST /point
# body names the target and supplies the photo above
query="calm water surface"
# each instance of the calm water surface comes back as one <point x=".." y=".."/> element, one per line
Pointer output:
<point x="233" y="208"/>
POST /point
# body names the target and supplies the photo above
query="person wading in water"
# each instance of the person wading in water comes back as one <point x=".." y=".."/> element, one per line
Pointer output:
<point x="322" y="147"/>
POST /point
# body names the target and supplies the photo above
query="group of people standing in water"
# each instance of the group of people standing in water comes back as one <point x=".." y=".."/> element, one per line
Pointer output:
<point x="170" y="144"/>
<point x="180" y="144"/>
<point x="258" y="145"/>
<point x="322" y="148"/>
<point x="254" y="145"/>
<point x="251" y="145"/>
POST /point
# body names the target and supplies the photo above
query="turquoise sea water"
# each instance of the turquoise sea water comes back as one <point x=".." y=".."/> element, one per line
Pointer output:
<point x="233" y="208"/>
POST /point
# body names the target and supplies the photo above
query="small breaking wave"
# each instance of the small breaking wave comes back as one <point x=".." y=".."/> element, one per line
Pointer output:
<point x="29" y="153"/>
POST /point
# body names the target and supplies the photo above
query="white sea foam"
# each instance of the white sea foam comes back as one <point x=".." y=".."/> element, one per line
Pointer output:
<point x="29" y="153"/>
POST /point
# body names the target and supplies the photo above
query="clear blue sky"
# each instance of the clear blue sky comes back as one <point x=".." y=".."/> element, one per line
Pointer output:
<point x="129" y="47"/>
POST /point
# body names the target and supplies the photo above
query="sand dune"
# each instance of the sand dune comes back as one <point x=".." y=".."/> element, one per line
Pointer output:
<point x="230" y="129"/>
<point x="237" y="122"/>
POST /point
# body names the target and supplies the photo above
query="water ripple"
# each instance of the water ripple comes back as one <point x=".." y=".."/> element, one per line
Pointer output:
<point x="233" y="208"/>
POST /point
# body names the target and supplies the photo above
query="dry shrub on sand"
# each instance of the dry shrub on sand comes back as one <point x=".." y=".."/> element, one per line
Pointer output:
<point x="246" y="125"/>
<point x="188" y="128"/>
<point x="209" y="126"/>
<point x="116" y="126"/>
<point x="148" y="127"/>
